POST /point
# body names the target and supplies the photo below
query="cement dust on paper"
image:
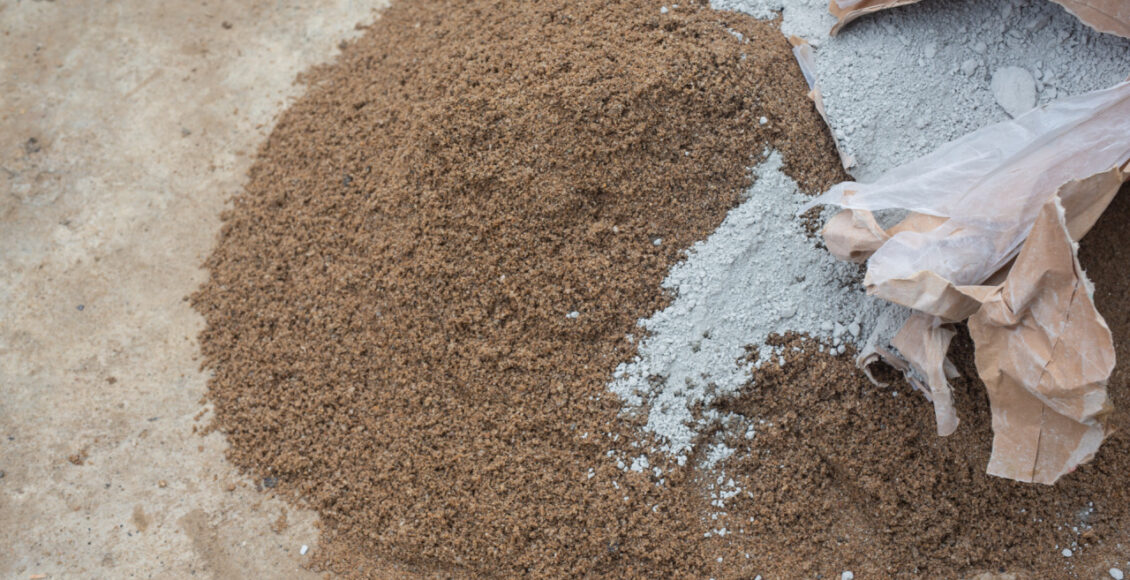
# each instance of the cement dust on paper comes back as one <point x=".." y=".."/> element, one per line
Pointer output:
<point x="759" y="273"/>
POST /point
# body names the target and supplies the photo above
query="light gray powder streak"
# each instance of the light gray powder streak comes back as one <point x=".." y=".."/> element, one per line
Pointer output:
<point x="757" y="274"/>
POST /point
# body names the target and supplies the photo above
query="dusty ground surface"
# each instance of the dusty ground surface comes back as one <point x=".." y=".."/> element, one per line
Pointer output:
<point x="125" y="127"/>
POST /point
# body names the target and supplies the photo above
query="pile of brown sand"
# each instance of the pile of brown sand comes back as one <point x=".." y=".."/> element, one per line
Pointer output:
<point x="390" y="312"/>
<point x="391" y="319"/>
<point x="845" y="474"/>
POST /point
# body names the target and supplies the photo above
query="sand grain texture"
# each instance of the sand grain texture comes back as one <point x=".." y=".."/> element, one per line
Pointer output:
<point x="389" y="308"/>
<point x="416" y="305"/>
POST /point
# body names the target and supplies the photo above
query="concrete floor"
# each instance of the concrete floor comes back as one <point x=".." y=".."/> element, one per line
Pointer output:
<point x="124" y="126"/>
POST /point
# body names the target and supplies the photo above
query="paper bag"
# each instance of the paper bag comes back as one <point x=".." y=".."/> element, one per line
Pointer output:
<point x="994" y="217"/>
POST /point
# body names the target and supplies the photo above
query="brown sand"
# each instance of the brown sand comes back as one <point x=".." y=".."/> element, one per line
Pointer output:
<point x="387" y="310"/>
<point x="851" y="476"/>
<point x="387" y="320"/>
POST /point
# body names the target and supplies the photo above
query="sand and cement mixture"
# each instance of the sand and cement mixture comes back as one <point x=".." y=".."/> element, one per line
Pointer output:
<point x="758" y="274"/>
<point x="520" y="290"/>
<point x="417" y="303"/>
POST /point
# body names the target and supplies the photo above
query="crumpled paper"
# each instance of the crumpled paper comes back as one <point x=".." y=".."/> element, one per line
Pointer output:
<point x="1110" y="16"/>
<point x="991" y="237"/>
<point x="1045" y="354"/>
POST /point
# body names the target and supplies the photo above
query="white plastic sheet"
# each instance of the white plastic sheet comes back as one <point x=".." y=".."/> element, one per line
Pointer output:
<point x="988" y="187"/>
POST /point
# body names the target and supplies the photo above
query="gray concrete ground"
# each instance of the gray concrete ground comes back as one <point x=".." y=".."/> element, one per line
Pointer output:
<point x="124" y="126"/>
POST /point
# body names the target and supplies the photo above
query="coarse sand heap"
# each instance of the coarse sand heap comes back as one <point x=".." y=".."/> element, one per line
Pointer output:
<point x="417" y="305"/>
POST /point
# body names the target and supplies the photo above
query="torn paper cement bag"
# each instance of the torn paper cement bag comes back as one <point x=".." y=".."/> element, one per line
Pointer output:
<point x="1110" y="16"/>
<point x="990" y="237"/>
<point x="1045" y="355"/>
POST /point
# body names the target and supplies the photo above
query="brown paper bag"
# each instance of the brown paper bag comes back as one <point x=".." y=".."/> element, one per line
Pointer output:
<point x="994" y="218"/>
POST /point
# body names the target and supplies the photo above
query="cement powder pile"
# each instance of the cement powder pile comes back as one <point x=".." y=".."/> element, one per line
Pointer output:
<point x="900" y="82"/>
<point x="759" y="273"/>
<point x="896" y="85"/>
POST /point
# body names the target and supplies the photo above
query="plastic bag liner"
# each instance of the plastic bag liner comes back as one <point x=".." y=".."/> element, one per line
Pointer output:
<point x="990" y="237"/>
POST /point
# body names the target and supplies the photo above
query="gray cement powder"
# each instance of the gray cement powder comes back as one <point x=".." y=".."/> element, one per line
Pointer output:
<point x="897" y="84"/>
<point x="757" y="274"/>
<point x="900" y="82"/>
